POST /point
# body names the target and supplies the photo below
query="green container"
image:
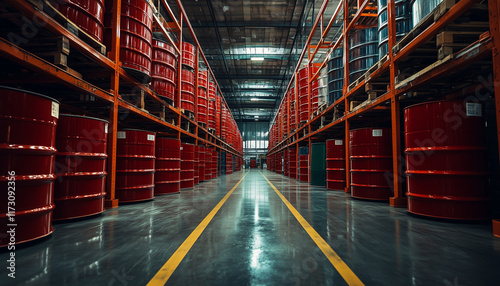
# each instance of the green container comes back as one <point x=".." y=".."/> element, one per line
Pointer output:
<point x="318" y="164"/>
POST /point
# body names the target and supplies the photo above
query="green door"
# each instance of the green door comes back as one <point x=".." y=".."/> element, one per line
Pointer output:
<point x="318" y="164"/>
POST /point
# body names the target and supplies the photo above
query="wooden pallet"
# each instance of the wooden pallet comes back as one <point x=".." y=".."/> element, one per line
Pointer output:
<point x="202" y="124"/>
<point x="189" y="114"/>
<point x="407" y="80"/>
<point x="72" y="27"/>
<point x="450" y="42"/>
<point x="375" y="67"/>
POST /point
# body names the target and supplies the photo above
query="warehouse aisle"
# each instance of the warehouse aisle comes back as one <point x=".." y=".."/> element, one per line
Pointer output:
<point x="255" y="239"/>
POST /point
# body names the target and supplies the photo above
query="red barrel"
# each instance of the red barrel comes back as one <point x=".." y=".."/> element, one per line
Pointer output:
<point x="203" y="79"/>
<point x="293" y="110"/>
<point x="315" y="95"/>
<point x="446" y="160"/>
<point x="188" y="55"/>
<point x="164" y="67"/>
<point x="202" y="106"/>
<point x="211" y="105"/>
<point x="279" y="163"/>
<point x="168" y="166"/>
<point x="335" y="165"/>
<point x="81" y="166"/>
<point x="187" y="90"/>
<point x="218" y="104"/>
<point x="304" y="168"/>
<point x="196" y="164"/>
<point x="27" y="148"/>
<point x="292" y="163"/>
<point x="135" y="165"/>
<point x="86" y="14"/>
<point x="214" y="164"/>
<point x="135" y="37"/>
<point x="187" y="165"/>
<point x="208" y="163"/>
<point x="304" y="75"/>
<point x="201" y="163"/>
<point x="371" y="163"/>
<point x="253" y="164"/>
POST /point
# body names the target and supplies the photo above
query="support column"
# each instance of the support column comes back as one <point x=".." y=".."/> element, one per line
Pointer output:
<point x="111" y="201"/>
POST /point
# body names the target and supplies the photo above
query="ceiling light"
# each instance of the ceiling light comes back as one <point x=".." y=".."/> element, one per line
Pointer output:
<point x="256" y="58"/>
<point x="256" y="116"/>
<point x="254" y="99"/>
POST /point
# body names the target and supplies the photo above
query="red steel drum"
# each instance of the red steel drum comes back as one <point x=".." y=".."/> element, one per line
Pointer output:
<point x="293" y="116"/>
<point x="253" y="164"/>
<point x="304" y="168"/>
<point x="201" y="163"/>
<point x="203" y="78"/>
<point x="304" y="75"/>
<point x="279" y="163"/>
<point x="80" y="187"/>
<point x="335" y="165"/>
<point x="163" y="70"/>
<point x="27" y="148"/>
<point x="168" y="166"/>
<point x="218" y="115"/>
<point x="135" y="37"/>
<point x="211" y="105"/>
<point x="187" y="90"/>
<point x="188" y="55"/>
<point x="187" y="165"/>
<point x="292" y="162"/>
<point x="371" y="163"/>
<point x="135" y="165"/>
<point x="314" y="95"/>
<point x="446" y="160"/>
<point x="214" y="164"/>
<point x="208" y="163"/>
<point x="86" y="14"/>
<point x="202" y="106"/>
<point x="196" y="164"/>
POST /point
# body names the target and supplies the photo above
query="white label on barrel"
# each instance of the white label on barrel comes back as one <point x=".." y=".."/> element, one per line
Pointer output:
<point x="160" y="44"/>
<point x="377" y="132"/>
<point x="339" y="142"/>
<point x="121" y="135"/>
<point x="182" y="148"/>
<point x="106" y="128"/>
<point x="474" y="109"/>
<point x="151" y="137"/>
<point x="55" y="109"/>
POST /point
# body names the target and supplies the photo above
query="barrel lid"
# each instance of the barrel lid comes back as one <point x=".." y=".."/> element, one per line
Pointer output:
<point x="29" y="92"/>
<point x="81" y="116"/>
<point x="132" y="129"/>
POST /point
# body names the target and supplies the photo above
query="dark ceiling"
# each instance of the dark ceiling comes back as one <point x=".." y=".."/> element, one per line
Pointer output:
<point x="234" y="34"/>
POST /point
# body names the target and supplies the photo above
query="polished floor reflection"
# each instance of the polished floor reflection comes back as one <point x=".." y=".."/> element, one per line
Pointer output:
<point x="255" y="240"/>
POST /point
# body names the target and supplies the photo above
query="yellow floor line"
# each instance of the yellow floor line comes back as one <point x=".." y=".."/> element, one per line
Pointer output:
<point x="169" y="267"/>
<point x="332" y="256"/>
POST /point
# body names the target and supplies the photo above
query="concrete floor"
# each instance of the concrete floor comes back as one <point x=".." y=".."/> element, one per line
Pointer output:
<point x="255" y="240"/>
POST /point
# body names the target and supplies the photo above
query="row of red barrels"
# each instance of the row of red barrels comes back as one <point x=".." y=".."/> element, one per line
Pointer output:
<point x="446" y="161"/>
<point x="284" y="125"/>
<point x="50" y="173"/>
<point x="148" y="55"/>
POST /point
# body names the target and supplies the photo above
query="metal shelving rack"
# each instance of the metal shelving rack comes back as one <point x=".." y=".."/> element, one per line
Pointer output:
<point x="387" y="71"/>
<point x="111" y="104"/>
